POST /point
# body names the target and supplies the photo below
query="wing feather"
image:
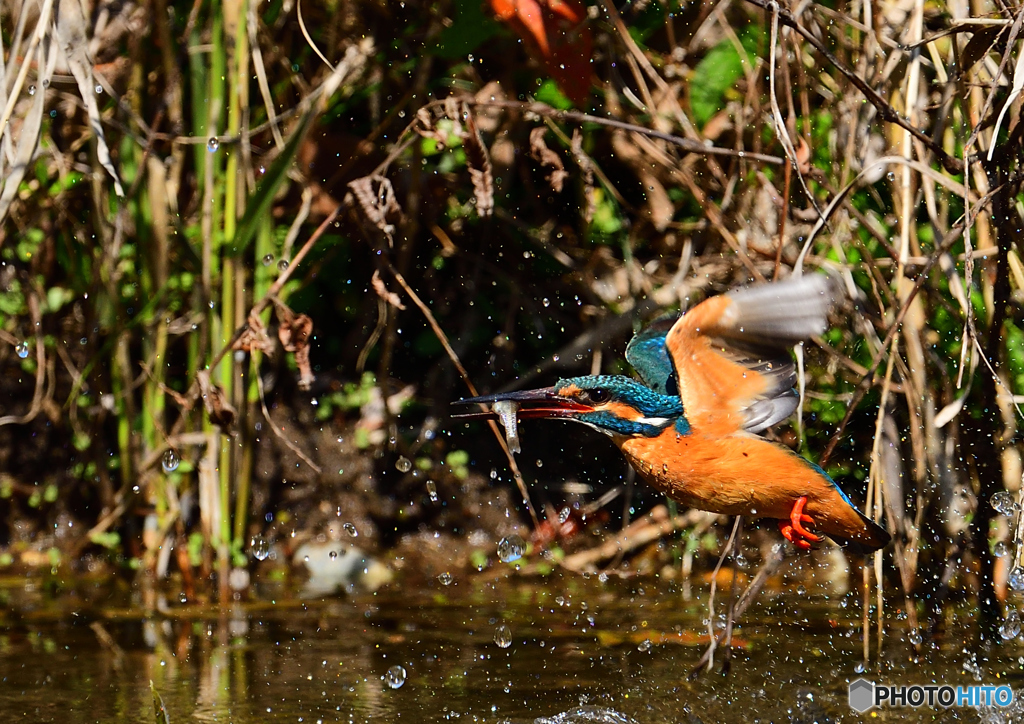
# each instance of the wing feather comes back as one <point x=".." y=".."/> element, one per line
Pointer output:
<point x="730" y="352"/>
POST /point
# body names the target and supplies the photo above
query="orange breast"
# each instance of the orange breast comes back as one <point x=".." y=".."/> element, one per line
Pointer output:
<point x="740" y="474"/>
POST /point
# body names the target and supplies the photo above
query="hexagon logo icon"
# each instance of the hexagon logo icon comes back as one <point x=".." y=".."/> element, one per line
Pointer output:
<point x="862" y="695"/>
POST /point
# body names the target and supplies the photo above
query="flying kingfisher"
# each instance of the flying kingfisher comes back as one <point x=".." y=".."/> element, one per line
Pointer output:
<point x="712" y="381"/>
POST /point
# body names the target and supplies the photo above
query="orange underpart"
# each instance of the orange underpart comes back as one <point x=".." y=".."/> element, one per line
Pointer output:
<point x="793" y="529"/>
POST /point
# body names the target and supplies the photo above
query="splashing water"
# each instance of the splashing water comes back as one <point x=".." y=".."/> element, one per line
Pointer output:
<point x="170" y="461"/>
<point x="503" y="636"/>
<point x="1002" y="502"/>
<point x="1010" y="627"/>
<point x="259" y="547"/>
<point x="395" y="676"/>
<point x="511" y="549"/>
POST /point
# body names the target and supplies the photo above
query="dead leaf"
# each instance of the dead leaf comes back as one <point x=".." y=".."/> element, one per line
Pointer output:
<point x="479" y="163"/>
<point x="659" y="205"/>
<point x="803" y="156"/>
<point x="254" y="337"/>
<point x="218" y="408"/>
<point x="382" y="291"/>
<point x="587" y="167"/>
<point x="294" y="333"/>
<point x="376" y="197"/>
<point x="428" y="129"/>
<point x="550" y="161"/>
<point x="981" y="43"/>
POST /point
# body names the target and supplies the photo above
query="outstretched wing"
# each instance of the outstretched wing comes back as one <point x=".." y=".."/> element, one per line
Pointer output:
<point x="730" y="352"/>
<point x="648" y="355"/>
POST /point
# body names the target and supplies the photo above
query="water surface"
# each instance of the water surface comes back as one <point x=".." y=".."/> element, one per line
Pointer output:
<point x="578" y="650"/>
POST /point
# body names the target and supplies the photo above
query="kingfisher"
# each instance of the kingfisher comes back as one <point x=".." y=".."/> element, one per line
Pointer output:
<point x="711" y="382"/>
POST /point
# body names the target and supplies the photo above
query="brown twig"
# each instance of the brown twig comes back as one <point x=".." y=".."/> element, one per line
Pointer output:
<point x="951" y="163"/>
<point x="443" y="339"/>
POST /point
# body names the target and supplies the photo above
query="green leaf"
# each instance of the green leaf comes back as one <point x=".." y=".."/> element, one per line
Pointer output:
<point x="470" y="27"/>
<point x="718" y="72"/>
<point x="160" y="714"/>
<point x="550" y="93"/>
<point x="258" y="205"/>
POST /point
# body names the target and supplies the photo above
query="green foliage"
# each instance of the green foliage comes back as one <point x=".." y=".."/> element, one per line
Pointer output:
<point x="111" y="540"/>
<point x="470" y="27"/>
<point x="550" y="93"/>
<point x="458" y="462"/>
<point x="352" y="396"/>
<point x="1014" y="341"/>
<point x="196" y="541"/>
<point x="718" y="72"/>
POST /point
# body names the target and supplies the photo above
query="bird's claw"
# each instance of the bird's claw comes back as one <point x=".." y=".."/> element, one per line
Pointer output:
<point x="793" y="529"/>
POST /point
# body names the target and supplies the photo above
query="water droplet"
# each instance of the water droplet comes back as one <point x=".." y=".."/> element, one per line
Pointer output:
<point x="891" y="176"/>
<point x="395" y="676"/>
<point x="563" y="515"/>
<point x="503" y="636"/>
<point x="445" y="578"/>
<point x="914" y="637"/>
<point x="403" y="464"/>
<point x="170" y="461"/>
<point x="31" y="90"/>
<point x="664" y="468"/>
<point x="860" y="668"/>
<point x="494" y="473"/>
<point x="1002" y="502"/>
<point x="21" y="349"/>
<point x="1016" y="578"/>
<point x="99" y="89"/>
<point x="971" y="666"/>
<point x="213" y="144"/>
<point x="1001" y="549"/>
<point x="801" y="591"/>
<point x="1011" y="625"/>
<point x="268" y="260"/>
<point x="540" y="463"/>
<point x="183" y="598"/>
<point x="259" y="547"/>
<point x="511" y="548"/>
<point x="432" y="490"/>
<point x="546" y="302"/>
<point x="282" y="265"/>
<point x="644" y="646"/>
<point x="351" y="530"/>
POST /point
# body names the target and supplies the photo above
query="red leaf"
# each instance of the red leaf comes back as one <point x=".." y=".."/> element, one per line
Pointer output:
<point x="554" y="29"/>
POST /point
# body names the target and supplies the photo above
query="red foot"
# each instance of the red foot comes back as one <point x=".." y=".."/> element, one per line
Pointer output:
<point x="793" y="529"/>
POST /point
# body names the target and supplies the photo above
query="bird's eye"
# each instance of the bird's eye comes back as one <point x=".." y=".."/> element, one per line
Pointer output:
<point x="598" y="395"/>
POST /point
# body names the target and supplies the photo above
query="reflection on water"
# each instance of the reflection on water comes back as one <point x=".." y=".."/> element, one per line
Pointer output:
<point x="565" y="650"/>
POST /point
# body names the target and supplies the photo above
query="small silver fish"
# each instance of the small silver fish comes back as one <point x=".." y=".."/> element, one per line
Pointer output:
<point x="506" y="411"/>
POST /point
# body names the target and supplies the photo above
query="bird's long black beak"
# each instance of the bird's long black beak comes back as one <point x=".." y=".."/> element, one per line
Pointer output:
<point x="545" y="402"/>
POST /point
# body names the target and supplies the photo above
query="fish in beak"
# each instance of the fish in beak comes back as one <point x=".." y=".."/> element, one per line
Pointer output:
<point x="508" y="407"/>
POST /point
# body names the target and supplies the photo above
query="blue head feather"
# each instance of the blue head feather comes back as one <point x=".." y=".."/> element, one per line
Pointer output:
<point x="657" y="411"/>
<point x="648" y="355"/>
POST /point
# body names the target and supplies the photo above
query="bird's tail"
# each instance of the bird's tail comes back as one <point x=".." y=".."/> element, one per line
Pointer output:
<point x="874" y="537"/>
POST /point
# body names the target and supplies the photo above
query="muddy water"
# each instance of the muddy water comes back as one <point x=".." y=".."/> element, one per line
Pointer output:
<point x="578" y="650"/>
